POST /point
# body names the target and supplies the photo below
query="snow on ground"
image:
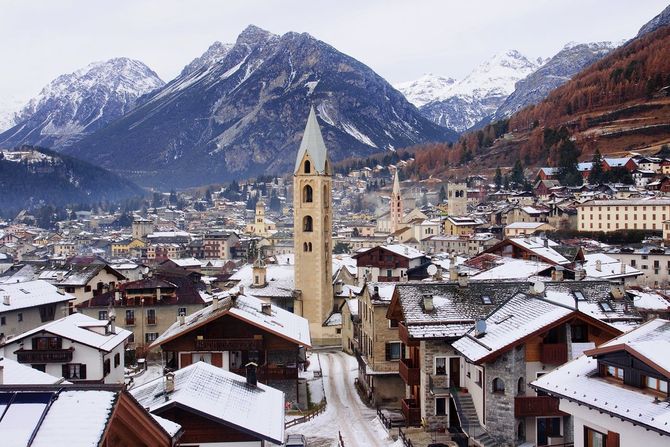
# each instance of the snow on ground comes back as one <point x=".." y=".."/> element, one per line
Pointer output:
<point x="345" y="412"/>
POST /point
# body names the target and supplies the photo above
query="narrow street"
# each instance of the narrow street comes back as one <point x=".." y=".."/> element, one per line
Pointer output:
<point x="345" y="413"/>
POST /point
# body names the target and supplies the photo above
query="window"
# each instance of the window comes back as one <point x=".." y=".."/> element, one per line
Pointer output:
<point x="657" y="384"/>
<point x="498" y="386"/>
<point x="72" y="371"/>
<point x="389" y="273"/>
<point x="480" y="377"/>
<point x="40" y="367"/>
<point x="579" y="295"/>
<point x="102" y="315"/>
<point x="150" y="337"/>
<point x="579" y="333"/>
<point x="308" y="167"/>
<point x="307" y="224"/>
<point x="47" y="343"/>
<point x="440" y="366"/>
<point x="3" y="321"/>
<point x="393" y="350"/>
<point x="130" y="317"/>
<point x="486" y="299"/>
<point x="151" y="316"/>
<point x="19" y="317"/>
<point x="86" y="288"/>
<point x="440" y="406"/>
<point x="593" y="438"/>
<point x="521" y="386"/>
<point x="633" y="263"/>
<point x="613" y="371"/>
<point x="106" y="367"/>
<point x="307" y="194"/>
<point x="117" y="359"/>
<point x="606" y="307"/>
<point x="47" y="312"/>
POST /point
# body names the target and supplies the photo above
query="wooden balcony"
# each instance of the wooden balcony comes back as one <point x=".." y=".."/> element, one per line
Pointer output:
<point x="266" y="373"/>
<point x="554" y="353"/>
<point x="52" y="356"/>
<point x="229" y="344"/>
<point x="411" y="411"/>
<point x="536" y="406"/>
<point x="409" y="371"/>
<point x="403" y="333"/>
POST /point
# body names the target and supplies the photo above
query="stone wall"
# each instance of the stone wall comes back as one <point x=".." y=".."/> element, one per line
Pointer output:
<point x="430" y="349"/>
<point x="500" y="421"/>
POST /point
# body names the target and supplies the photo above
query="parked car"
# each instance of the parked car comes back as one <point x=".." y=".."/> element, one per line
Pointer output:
<point x="295" y="441"/>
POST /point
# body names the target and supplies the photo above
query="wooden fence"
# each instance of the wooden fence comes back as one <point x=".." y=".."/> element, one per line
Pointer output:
<point x="309" y="416"/>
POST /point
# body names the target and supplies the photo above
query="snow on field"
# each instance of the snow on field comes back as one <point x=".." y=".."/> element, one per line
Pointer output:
<point x="345" y="412"/>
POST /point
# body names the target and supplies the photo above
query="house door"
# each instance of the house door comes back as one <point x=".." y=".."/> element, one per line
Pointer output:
<point x="454" y="372"/>
<point x="547" y="427"/>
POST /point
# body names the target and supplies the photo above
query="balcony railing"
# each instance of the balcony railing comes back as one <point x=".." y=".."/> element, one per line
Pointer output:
<point x="554" y="353"/>
<point x="409" y="371"/>
<point x="229" y="344"/>
<point x="403" y="333"/>
<point x="536" y="406"/>
<point x="53" y="356"/>
<point x="411" y="411"/>
<point x="266" y="373"/>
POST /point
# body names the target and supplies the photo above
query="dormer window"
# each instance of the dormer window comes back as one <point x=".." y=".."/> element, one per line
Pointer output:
<point x="658" y="385"/>
<point x="614" y="372"/>
<point x="486" y="299"/>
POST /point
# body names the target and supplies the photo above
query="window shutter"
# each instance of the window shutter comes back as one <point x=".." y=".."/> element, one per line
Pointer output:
<point x="82" y="371"/>
<point x="388" y="351"/>
<point x="612" y="439"/>
<point x="64" y="372"/>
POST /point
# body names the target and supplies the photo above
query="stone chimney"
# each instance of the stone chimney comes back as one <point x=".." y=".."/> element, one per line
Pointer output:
<point x="252" y="377"/>
<point x="266" y="308"/>
<point x="169" y="384"/>
<point x="462" y="280"/>
<point x="557" y="273"/>
<point x="599" y="265"/>
<point x="215" y="302"/>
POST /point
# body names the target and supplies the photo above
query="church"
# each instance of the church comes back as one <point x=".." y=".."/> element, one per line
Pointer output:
<point x="313" y="228"/>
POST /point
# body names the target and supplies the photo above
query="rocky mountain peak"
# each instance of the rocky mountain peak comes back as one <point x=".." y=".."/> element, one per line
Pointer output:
<point x="253" y="35"/>
<point x="215" y="53"/>
<point x="660" y="20"/>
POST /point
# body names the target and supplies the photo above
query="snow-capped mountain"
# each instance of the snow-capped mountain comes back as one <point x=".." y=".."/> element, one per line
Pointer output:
<point x="215" y="53"/>
<point x="425" y="89"/>
<point x="660" y="20"/>
<point x="558" y="70"/>
<point x="244" y="114"/>
<point x="77" y="104"/>
<point x="464" y="103"/>
<point x="9" y="106"/>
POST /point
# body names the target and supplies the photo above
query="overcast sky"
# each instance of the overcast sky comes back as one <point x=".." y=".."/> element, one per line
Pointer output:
<point x="400" y="40"/>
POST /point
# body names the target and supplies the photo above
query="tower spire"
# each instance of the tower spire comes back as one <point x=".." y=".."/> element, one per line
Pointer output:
<point x="312" y="145"/>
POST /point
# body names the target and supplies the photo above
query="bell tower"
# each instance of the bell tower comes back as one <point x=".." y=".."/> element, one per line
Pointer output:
<point x="396" y="204"/>
<point x="312" y="229"/>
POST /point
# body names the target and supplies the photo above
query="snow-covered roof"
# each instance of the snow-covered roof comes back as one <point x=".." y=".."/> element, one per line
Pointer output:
<point x="170" y="427"/>
<point x="403" y="250"/>
<point x="541" y="247"/>
<point x="519" y="316"/>
<point x="221" y="395"/>
<point x="610" y="268"/>
<point x="249" y="309"/>
<point x="525" y="225"/>
<point x="14" y="373"/>
<point x="511" y="268"/>
<point x="187" y="262"/>
<point x="312" y="144"/>
<point x="578" y="381"/>
<point x="30" y="294"/>
<point x="649" y="300"/>
<point x="81" y="329"/>
<point x="76" y="418"/>
<point x="279" y="280"/>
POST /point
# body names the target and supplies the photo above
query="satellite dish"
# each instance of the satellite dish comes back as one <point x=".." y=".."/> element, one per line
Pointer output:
<point x="480" y="328"/>
<point x="432" y="269"/>
<point x="538" y="287"/>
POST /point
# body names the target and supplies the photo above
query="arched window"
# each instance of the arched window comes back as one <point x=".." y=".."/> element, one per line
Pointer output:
<point x="307" y="224"/>
<point x="307" y="194"/>
<point x="309" y="246"/>
<point x="498" y="386"/>
<point x="304" y="246"/>
<point x="325" y="196"/>
<point x="521" y="386"/>
<point x="308" y="167"/>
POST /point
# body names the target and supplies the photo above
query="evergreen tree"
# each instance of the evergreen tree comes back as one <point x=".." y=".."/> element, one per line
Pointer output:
<point x="568" y="174"/>
<point x="597" y="175"/>
<point x="498" y="179"/>
<point x="517" y="178"/>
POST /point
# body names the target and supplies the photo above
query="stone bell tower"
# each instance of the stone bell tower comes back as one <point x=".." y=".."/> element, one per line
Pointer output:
<point x="312" y="230"/>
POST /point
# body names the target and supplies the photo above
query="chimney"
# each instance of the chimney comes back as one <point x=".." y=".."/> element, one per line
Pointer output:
<point x="599" y="265"/>
<point x="215" y="302"/>
<point x="617" y="291"/>
<point x="181" y="318"/>
<point x="112" y="322"/>
<point x="462" y="280"/>
<point x="241" y="290"/>
<point x="252" y="378"/>
<point x="376" y="289"/>
<point x="623" y="268"/>
<point x="557" y="274"/>
<point x="453" y="271"/>
<point x="158" y="294"/>
<point x="6" y="300"/>
<point x="266" y="308"/>
<point x="59" y="275"/>
<point x="428" y="303"/>
<point x="546" y="243"/>
<point x="169" y="384"/>
<point x="580" y="273"/>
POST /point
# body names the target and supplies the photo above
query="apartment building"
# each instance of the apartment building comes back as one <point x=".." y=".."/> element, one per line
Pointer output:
<point x="629" y="214"/>
<point x="652" y="260"/>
